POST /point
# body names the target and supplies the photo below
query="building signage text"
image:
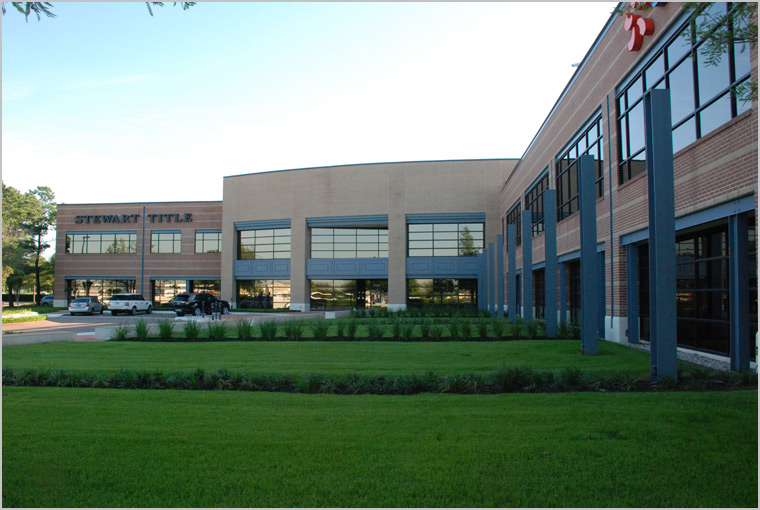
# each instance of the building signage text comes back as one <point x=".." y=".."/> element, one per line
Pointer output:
<point x="90" y="219"/>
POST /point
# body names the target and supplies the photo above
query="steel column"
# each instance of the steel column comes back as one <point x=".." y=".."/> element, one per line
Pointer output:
<point x="500" y="276"/>
<point x="632" y="282"/>
<point x="662" y="234"/>
<point x="563" y="292"/>
<point x="550" y="261"/>
<point x="589" y="261"/>
<point x="527" y="268"/>
<point x="511" y="271"/>
<point x="738" y="285"/>
<point x="491" y="280"/>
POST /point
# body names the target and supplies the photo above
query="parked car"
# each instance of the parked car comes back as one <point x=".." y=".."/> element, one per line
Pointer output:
<point x="47" y="301"/>
<point x="85" y="305"/>
<point x="197" y="304"/>
<point x="129" y="303"/>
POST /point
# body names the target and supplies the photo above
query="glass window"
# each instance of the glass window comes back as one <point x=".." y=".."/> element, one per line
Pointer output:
<point x="514" y="218"/>
<point x="208" y="242"/>
<point x="534" y="202"/>
<point x="442" y="291"/>
<point x="165" y="242"/>
<point x="445" y="239"/>
<point x="694" y="86"/>
<point x="115" y="242"/>
<point x="264" y="244"/>
<point x="263" y="294"/>
<point x="348" y="243"/>
<point x="588" y="142"/>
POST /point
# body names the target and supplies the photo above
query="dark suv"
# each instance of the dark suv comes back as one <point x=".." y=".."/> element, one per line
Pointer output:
<point x="197" y="304"/>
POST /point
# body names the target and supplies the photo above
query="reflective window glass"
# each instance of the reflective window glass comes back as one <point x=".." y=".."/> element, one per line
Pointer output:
<point x="715" y="115"/>
<point x="684" y="134"/>
<point x="712" y="79"/>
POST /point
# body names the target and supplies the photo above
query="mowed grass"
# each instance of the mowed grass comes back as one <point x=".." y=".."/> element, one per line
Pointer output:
<point x="327" y="358"/>
<point x="65" y="447"/>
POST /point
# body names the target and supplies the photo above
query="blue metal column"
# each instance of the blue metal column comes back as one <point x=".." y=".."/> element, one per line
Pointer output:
<point x="563" y="292"/>
<point x="482" y="293"/>
<point x="589" y="261"/>
<point x="662" y="235"/>
<point x="491" y="280"/>
<point x="527" y="267"/>
<point x="738" y="285"/>
<point x="511" y="272"/>
<point x="632" y="261"/>
<point x="500" y="276"/>
<point x="602" y="294"/>
<point x="550" y="261"/>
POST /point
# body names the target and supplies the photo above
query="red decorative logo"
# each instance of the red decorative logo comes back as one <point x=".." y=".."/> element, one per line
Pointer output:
<point x="639" y="26"/>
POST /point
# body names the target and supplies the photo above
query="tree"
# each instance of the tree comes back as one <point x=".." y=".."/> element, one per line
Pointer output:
<point x="722" y="31"/>
<point x="38" y="8"/>
<point x="27" y="218"/>
<point x="467" y="244"/>
<point x="43" y="219"/>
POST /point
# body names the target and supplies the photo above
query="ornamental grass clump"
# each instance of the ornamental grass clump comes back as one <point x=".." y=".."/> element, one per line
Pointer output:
<point x="435" y="331"/>
<point x="294" y="330"/>
<point x="482" y="327"/>
<point x="396" y="328"/>
<point x="349" y="328"/>
<point x="269" y="329"/>
<point x="120" y="332"/>
<point x="244" y="329"/>
<point x="165" y="329"/>
<point x="217" y="330"/>
<point x="407" y="330"/>
<point x="376" y="330"/>
<point x="192" y="330"/>
<point x="425" y="328"/>
<point x="455" y="328"/>
<point x="319" y="329"/>
<point x="141" y="329"/>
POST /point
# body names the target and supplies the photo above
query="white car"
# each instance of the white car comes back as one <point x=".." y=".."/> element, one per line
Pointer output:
<point x="129" y="303"/>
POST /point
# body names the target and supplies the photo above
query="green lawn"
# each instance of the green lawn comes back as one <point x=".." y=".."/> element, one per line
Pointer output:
<point x="118" y="448"/>
<point x="327" y="358"/>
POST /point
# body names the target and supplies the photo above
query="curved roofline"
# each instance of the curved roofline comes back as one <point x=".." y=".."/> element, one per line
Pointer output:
<point x="368" y="164"/>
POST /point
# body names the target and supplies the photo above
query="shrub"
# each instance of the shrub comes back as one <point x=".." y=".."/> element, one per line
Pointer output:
<point x="425" y="327"/>
<point x="574" y="330"/>
<point x="165" y="328"/>
<point x="502" y="328"/>
<point x="244" y="329"/>
<point x="531" y="328"/>
<point x="217" y="330"/>
<point x="349" y="328"/>
<point x="435" y="331"/>
<point x="407" y="330"/>
<point x="396" y="328"/>
<point x="455" y="328"/>
<point x="120" y="332"/>
<point x="269" y="329"/>
<point x="376" y="330"/>
<point x="319" y="328"/>
<point x="562" y="330"/>
<point x="294" y="329"/>
<point x="141" y="329"/>
<point x="192" y="330"/>
<point x="482" y="327"/>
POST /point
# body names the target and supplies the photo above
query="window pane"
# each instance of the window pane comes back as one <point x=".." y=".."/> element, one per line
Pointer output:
<point x="634" y="91"/>
<point x="421" y="252"/>
<point x="677" y="49"/>
<point x="742" y="54"/>
<point x="420" y="228"/>
<point x="446" y="252"/>
<point x="716" y="114"/>
<point x="684" y="134"/>
<point x="445" y="227"/>
<point x="636" y="128"/>
<point x="713" y="79"/>
<point x="681" y="85"/>
<point x="655" y="71"/>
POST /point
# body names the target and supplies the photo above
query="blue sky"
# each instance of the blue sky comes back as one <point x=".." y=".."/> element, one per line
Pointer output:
<point x="107" y="104"/>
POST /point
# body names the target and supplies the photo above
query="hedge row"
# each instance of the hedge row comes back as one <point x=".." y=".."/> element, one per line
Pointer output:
<point x="504" y="380"/>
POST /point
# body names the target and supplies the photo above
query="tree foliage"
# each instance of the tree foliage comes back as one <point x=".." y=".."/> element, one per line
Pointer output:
<point x="40" y="8"/>
<point x="27" y="219"/>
